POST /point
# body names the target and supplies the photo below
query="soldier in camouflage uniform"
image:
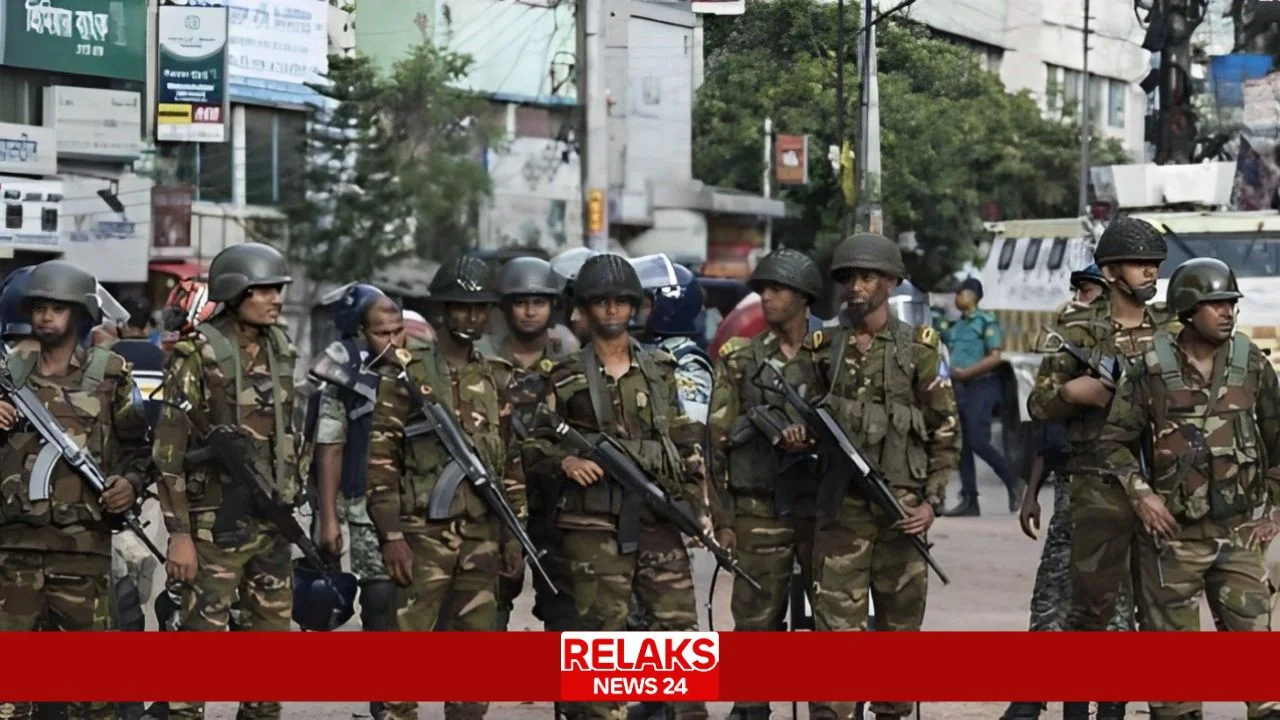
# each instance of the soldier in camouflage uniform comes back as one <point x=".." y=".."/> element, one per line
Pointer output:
<point x="763" y="473"/>
<point x="613" y="385"/>
<point x="55" y="554"/>
<point x="886" y="390"/>
<point x="1119" y="325"/>
<point x="457" y="559"/>
<point x="529" y="290"/>
<point x="1202" y="408"/>
<point x="235" y="370"/>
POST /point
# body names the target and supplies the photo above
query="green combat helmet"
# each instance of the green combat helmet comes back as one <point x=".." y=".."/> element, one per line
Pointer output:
<point x="525" y="276"/>
<point x="1200" y="280"/>
<point x="791" y="268"/>
<point x="868" y="251"/>
<point x="240" y="267"/>
<point x="608" y="275"/>
<point x="61" y="281"/>
<point x="463" y="280"/>
<point x="1128" y="238"/>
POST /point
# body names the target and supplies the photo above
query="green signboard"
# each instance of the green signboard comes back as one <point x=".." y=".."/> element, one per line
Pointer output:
<point x="106" y="38"/>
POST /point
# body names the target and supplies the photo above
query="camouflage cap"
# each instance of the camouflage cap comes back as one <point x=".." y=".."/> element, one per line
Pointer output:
<point x="791" y="268"/>
<point x="1200" y="280"/>
<point x="1128" y="238"/>
<point x="608" y="275"/>
<point x="869" y="251"/>
<point x="463" y="280"/>
<point x="61" y="281"/>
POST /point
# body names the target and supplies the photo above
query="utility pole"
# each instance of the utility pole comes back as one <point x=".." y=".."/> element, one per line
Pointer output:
<point x="767" y="181"/>
<point x="1084" y="121"/>
<point x="594" y="143"/>
<point x="1176" y="136"/>
<point x="868" y="157"/>
<point x="844" y="210"/>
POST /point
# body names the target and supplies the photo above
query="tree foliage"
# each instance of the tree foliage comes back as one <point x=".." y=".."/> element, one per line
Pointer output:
<point x="393" y="166"/>
<point x="952" y="139"/>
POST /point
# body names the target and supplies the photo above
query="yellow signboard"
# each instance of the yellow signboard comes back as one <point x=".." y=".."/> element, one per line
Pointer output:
<point x="595" y="212"/>
<point x="173" y="114"/>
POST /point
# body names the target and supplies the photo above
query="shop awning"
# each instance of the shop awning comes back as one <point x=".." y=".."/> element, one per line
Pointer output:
<point x="181" y="270"/>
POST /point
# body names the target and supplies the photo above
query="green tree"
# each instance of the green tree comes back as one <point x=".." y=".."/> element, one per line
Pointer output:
<point x="952" y="139"/>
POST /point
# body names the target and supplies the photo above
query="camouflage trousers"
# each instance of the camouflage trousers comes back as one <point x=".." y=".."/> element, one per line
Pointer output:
<point x="258" y="573"/>
<point x="601" y="584"/>
<point x="1210" y="560"/>
<point x="455" y="561"/>
<point x="60" y="591"/>
<point x="858" y="558"/>
<point x="1103" y="528"/>
<point x="768" y="548"/>
<point x="1051" y="597"/>
<point x="366" y="553"/>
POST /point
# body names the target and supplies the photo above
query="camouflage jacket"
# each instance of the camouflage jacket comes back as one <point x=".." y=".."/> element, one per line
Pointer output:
<point x="202" y="376"/>
<point x="895" y="405"/>
<point x="674" y="460"/>
<point x="1215" y="443"/>
<point x="524" y="387"/>
<point x="1090" y="328"/>
<point x="403" y="470"/>
<point x="745" y="461"/>
<point x="93" y="402"/>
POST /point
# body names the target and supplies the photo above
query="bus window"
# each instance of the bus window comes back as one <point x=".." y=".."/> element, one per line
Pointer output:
<point x="1249" y="255"/>
<point x="1057" y="252"/>
<point x="1032" y="254"/>
<point x="1006" y="253"/>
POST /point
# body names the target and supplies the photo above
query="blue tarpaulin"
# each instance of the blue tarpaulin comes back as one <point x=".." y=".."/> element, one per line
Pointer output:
<point x="1227" y="74"/>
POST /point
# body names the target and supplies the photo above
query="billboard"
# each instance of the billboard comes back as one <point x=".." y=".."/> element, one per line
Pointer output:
<point x="102" y="38"/>
<point x="94" y="124"/>
<point x="191" y="69"/>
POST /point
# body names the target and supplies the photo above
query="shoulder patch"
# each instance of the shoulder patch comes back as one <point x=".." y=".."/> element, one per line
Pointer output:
<point x="926" y="335"/>
<point x="733" y="345"/>
<point x="819" y="339"/>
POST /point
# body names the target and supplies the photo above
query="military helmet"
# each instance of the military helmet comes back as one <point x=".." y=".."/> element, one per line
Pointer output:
<point x="323" y="600"/>
<point x="463" y="280"/>
<point x="529" y="276"/>
<point x="1091" y="274"/>
<point x="61" y="281"/>
<point x="869" y="251"/>
<point x="240" y="267"/>
<point x="608" y="275"/>
<point x="1200" y="280"/>
<point x="1128" y="238"/>
<point x="14" y="322"/>
<point x="791" y="268"/>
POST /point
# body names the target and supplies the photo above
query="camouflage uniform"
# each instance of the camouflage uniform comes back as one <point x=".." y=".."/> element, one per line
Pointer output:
<point x="55" y="555"/>
<point x="250" y="566"/>
<point x="457" y="558"/>
<point x="1102" y="520"/>
<point x="1215" y="443"/>
<point x="900" y="410"/>
<point x="748" y="475"/>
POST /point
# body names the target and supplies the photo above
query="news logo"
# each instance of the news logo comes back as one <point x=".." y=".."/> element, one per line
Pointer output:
<point x="644" y="666"/>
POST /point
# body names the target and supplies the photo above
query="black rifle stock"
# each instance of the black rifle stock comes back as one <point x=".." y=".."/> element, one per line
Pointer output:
<point x="58" y="445"/>
<point x="846" y="460"/>
<point x="619" y="466"/>
<point x="466" y="464"/>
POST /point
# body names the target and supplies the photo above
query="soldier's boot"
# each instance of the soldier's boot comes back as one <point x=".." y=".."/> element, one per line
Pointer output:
<point x="647" y="711"/>
<point x="1023" y="711"/>
<point x="158" y="711"/>
<point x="968" y="507"/>
<point x="130" y="710"/>
<point x="1075" y="711"/>
<point x="750" y="713"/>
<point x="377" y="614"/>
<point x="1110" y="711"/>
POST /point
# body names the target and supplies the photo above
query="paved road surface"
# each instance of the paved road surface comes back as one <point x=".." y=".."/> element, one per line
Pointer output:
<point x="992" y="566"/>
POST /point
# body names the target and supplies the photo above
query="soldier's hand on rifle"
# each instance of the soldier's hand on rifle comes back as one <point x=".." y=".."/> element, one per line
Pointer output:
<point x="795" y="438"/>
<point x="1029" y="515"/>
<point x="182" y="562"/>
<point x="1155" y="517"/>
<point x="583" y="472"/>
<point x="1087" y="391"/>
<point x="512" y="559"/>
<point x="918" y="521"/>
<point x="726" y="539"/>
<point x="330" y="535"/>
<point x="8" y="416"/>
<point x="119" y="495"/>
<point x="398" y="558"/>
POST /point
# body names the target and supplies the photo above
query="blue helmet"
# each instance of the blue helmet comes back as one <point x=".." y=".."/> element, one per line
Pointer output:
<point x="15" y="323"/>
<point x="1091" y="274"/>
<point x="323" y="600"/>
<point x="675" y="295"/>
<point x="349" y="304"/>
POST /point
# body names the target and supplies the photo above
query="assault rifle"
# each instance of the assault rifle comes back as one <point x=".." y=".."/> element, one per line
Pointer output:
<point x="465" y="464"/>
<point x="1108" y="369"/>
<point x="58" y="445"/>
<point x="638" y="489"/>
<point x="845" y="460"/>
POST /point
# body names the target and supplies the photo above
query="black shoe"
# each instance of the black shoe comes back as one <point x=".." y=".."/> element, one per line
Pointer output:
<point x="1110" y="711"/>
<point x="968" y="507"/>
<point x="1023" y="711"/>
<point x="1075" y="711"/>
<point x="647" y="711"/>
<point x="131" y="710"/>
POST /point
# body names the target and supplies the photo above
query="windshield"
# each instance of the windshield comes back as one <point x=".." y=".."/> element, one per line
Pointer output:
<point x="1250" y="255"/>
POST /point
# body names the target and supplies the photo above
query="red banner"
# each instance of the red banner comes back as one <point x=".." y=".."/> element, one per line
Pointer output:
<point x="526" y="666"/>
